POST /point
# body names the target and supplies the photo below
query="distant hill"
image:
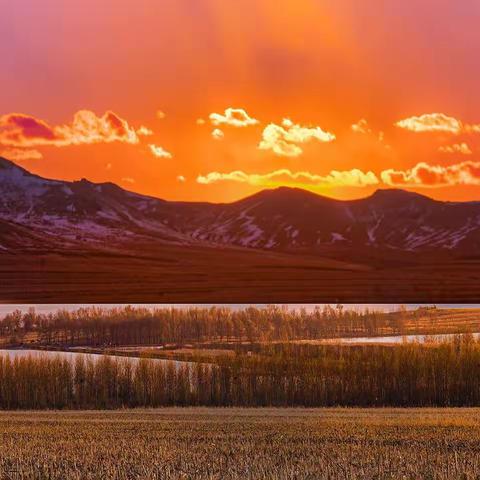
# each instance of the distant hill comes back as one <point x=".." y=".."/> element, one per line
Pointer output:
<point x="38" y="213"/>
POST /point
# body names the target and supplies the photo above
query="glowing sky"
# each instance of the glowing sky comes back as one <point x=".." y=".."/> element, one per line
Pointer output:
<point x="216" y="99"/>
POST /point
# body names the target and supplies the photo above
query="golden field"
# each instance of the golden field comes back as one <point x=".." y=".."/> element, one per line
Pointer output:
<point x="198" y="443"/>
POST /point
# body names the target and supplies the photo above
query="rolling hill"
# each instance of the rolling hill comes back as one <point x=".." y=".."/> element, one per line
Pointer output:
<point x="96" y="242"/>
<point x="290" y="220"/>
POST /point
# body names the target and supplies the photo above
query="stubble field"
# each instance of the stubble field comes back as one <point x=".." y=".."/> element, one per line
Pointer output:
<point x="241" y="444"/>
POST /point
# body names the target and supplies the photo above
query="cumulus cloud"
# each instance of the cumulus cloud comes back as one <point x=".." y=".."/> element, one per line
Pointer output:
<point x="425" y="175"/>
<point x="361" y="127"/>
<point x="437" y="122"/>
<point x="422" y="175"/>
<point x="217" y="134"/>
<point x="431" y="122"/>
<point x="159" y="152"/>
<point x="351" y="178"/>
<point x="234" y="117"/>
<point x="144" y="131"/>
<point x="472" y="128"/>
<point x="19" y="130"/>
<point x="462" y="148"/>
<point x="181" y="179"/>
<point x="283" y="139"/>
<point x="19" y="154"/>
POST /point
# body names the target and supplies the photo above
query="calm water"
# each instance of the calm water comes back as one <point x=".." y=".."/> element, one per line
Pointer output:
<point x="73" y="355"/>
<point x="400" y="339"/>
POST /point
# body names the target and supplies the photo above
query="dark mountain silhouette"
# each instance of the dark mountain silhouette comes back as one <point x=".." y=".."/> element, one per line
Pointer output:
<point x="40" y="213"/>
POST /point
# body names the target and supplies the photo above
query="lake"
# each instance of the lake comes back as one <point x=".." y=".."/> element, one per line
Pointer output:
<point x="399" y="339"/>
<point x="18" y="353"/>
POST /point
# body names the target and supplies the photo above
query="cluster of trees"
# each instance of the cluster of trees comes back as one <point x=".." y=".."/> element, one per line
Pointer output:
<point x="141" y="326"/>
<point x="443" y="374"/>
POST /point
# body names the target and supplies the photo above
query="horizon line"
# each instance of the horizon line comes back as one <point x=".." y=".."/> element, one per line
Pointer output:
<point x="406" y="190"/>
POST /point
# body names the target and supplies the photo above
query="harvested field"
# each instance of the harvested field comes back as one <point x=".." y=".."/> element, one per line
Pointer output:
<point x="242" y="444"/>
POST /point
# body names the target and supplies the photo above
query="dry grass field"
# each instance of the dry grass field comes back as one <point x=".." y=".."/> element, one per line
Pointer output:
<point x="241" y="444"/>
<point x="229" y="276"/>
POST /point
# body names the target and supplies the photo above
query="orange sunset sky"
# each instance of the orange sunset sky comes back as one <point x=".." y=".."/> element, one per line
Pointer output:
<point x="216" y="99"/>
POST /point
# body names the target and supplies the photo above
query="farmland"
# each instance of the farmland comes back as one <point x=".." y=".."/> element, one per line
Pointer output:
<point x="199" y="443"/>
<point x="178" y="275"/>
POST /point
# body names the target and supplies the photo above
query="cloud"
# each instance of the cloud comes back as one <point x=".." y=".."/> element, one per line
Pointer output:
<point x="351" y="178"/>
<point x="201" y="121"/>
<point x="181" y="179"/>
<point x="425" y="175"/>
<point x="161" y="115"/>
<point x="283" y="139"/>
<point x="437" y="122"/>
<point x="128" y="180"/>
<point x="422" y="175"/>
<point x="217" y="134"/>
<point x="472" y="128"/>
<point x="144" y="131"/>
<point x="19" y="130"/>
<point x="88" y="128"/>
<point x="362" y="127"/>
<point x="159" y="152"/>
<point x="234" y="117"/>
<point x="18" y="154"/>
<point x="462" y="148"/>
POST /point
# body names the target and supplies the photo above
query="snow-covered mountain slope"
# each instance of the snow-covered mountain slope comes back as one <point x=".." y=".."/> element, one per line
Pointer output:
<point x="80" y="211"/>
<point x="282" y="219"/>
<point x="292" y="219"/>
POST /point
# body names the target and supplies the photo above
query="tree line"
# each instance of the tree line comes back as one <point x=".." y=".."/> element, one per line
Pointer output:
<point x="406" y="375"/>
<point x="142" y="326"/>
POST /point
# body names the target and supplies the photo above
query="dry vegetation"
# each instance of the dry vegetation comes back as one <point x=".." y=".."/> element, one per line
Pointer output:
<point x="221" y="327"/>
<point x="443" y="374"/>
<point x="241" y="444"/>
<point x="179" y="275"/>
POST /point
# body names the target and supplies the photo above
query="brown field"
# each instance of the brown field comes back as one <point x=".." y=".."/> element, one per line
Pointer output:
<point x="177" y="275"/>
<point x="227" y="444"/>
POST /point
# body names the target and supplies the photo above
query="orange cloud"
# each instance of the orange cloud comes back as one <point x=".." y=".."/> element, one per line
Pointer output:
<point x="129" y="180"/>
<point x="181" y="179"/>
<point x="217" y="134"/>
<point x="431" y="122"/>
<point x="19" y="130"/>
<point x="437" y="122"/>
<point x="361" y="127"/>
<point x="159" y="152"/>
<point x="234" y="117"/>
<point x="144" y="131"/>
<point x="351" y="178"/>
<point x="283" y="139"/>
<point x="462" y="148"/>
<point x="18" y="154"/>
<point x="425" y="175"/>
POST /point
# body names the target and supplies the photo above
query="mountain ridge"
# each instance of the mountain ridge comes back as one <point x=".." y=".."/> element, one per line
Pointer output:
<point x="104" y="215"/>
<point x="5" y="163"/>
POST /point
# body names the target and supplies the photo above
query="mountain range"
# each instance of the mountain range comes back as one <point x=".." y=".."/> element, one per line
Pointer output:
<point x="42" y="214"/>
